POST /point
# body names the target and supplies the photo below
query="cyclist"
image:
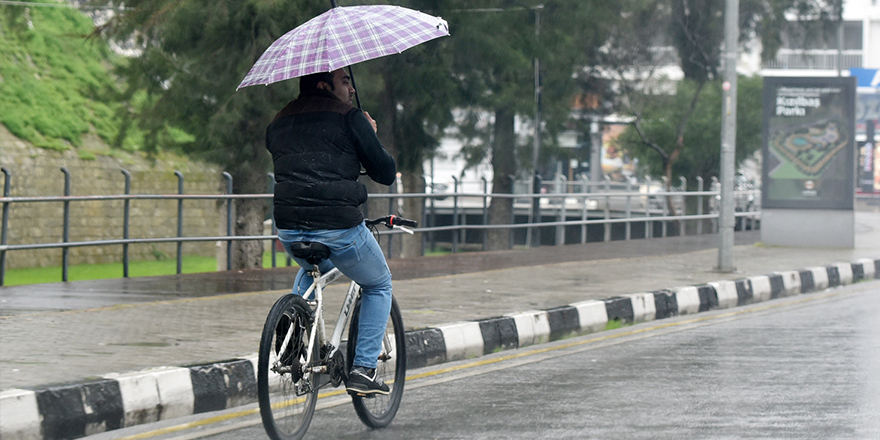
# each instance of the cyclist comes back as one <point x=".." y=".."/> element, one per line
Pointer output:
<point x="319" y="142"/>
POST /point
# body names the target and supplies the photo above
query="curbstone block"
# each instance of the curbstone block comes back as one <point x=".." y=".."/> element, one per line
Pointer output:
<point x="463" y="340"/>
<point x="745" y="294"/>
<point x="708" y="297"/>
<point x="532" y="327"/>
<point x="80" y="409"/>
<point x="727" y="294"/>
<point x="791" y="281"/>
<point x="688" y="300"/>
<point x="777" y="285"/>
<point x="644" y="306"/>
<point x="868" y="271"/>
<point x="592" y="315"/>
<point x="619" y="308"/>
<point x="761" y="289"/>
<point x="665" y="304"/>
<point x="222" y="385"/>
<point x="425" y="347"/>
<point x="833" y="276"/>
<point x="564" y="322"/>
<point x="820" y="278"/>
<point x="176" y="391"/>
<point x="140" y="397"/>
<point x="807" y="283"/>
<point x="845" y="273"/>
<point x="500" y="334"/>
<point x="858" y="272"/>
<point x="20" y="415"/>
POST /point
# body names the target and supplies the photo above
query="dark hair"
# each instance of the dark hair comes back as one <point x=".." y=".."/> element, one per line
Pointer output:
<point x="310" y="82"/>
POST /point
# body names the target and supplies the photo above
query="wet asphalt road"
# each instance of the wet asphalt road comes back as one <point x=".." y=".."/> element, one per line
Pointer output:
<point x="801" y="367"/>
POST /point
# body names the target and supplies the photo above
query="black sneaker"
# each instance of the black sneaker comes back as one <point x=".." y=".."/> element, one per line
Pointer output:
<point x="365" y="382"/>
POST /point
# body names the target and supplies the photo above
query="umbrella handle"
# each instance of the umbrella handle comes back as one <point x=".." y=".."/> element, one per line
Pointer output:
<point x="353" y="85"/>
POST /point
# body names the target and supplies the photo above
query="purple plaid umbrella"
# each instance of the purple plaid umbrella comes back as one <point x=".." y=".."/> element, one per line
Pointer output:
<point x="341" y="37"/>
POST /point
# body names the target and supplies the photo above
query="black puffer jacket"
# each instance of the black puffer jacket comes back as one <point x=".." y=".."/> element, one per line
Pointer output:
<point x="318" y="144"/>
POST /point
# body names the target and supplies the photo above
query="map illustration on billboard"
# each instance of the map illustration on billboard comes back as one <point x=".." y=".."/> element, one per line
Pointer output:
<point x="809" y="141"/>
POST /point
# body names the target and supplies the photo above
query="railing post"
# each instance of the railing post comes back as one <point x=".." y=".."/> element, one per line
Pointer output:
<point x="562" y="190"/>
<point x="535" y="236"/>
<point x="681" y="223"/>
<point x="455" y="216"/>
<point x="585" y="213"/>
<point x="126" y="216"/>
<point x="7" y="177"/>
<point x="65" y="251"/>
<point x="628" y="209"/>
<point x="486" y="212"/>
<point x="584" y="217"/>
<point x="607" y="225"/>
<point x="273" y="243"/>
<point x="715" y="186"/>
<point x="510" y="234"/>
<point x="391" y="190"/>
<point x="700" y="205"/>
<point x="179" y="222"/>
<point x="666" y="200"/>
<point x="433" y="219"/>
<point x="228" y="220"/>
<point x="649" y="227"/>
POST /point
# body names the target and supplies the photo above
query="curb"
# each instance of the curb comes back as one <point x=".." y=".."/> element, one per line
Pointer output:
<point x="122" y="400"/>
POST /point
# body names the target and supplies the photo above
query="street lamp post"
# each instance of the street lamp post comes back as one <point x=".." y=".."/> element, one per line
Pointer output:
<point x="728" y="138"/>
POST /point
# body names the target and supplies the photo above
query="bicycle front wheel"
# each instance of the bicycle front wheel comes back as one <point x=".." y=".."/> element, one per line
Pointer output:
<point x="287" y="394"/>
<point x="378" y="411"/>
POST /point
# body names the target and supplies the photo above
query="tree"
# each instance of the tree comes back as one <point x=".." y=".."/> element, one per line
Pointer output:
<point x="411" y="95"/>
<point x="494" y="49"/>
<point x="695" y="28"/>
<point x="193" y="55"/>
<point x="699" y="157"/>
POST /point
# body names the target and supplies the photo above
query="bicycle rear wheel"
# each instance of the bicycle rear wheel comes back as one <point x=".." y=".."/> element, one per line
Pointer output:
<point x="287" y="396"/>
<point x="378" y="411"/>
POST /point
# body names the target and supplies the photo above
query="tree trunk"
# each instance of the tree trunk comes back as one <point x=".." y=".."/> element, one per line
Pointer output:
<point x="679" y="144"/>
<point x="504" y="170"/>
<point x="249" y="217"/>
<point x="413" y="208"/>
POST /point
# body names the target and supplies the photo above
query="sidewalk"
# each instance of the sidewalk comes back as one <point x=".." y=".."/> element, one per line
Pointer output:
<point x="68" y="342"/>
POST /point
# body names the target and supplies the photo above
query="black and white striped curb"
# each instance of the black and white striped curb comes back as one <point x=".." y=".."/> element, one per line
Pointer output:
<point x="122" y="400"/>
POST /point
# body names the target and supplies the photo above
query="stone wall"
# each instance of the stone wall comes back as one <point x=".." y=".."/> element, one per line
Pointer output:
<point x="97" y="170"/>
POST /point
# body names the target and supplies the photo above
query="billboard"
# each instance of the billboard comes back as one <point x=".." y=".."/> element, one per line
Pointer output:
<point x="809" y="143"/>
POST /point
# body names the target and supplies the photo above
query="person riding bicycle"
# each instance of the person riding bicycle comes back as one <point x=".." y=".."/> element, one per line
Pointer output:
<point x="319" y="142"/>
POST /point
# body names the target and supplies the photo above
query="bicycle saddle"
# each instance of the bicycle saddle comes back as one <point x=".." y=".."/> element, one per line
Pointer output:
<point x="312" y="252"/>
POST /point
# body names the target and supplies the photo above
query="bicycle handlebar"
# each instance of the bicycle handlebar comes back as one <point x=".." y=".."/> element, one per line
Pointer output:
<point x="392" y="221"/>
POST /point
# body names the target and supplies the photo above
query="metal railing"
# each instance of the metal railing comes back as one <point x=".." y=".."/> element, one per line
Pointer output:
<point x="823" y="59"/>
<point x="567" y="209"/>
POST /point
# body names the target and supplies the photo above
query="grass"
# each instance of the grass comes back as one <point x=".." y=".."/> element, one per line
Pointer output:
<point x="190" y="264"/>
<point x="56" y="82"/>
<point x="616" y="324"/>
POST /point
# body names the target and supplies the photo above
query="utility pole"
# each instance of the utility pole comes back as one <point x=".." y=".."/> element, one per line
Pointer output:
<point x="534" y="184"/>
<point x="727" y="212"/>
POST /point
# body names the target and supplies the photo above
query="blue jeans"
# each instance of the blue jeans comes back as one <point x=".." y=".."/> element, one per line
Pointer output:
<point x="358" y="256"/>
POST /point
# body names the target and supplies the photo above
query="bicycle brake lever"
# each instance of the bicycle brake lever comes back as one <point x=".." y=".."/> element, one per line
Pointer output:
<point x="405" y="229"/>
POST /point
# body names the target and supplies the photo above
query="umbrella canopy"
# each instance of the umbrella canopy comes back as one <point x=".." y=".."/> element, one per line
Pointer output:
<point x="341" y="37"/>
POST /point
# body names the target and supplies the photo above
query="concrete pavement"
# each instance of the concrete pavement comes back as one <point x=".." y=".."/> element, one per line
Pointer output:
<point x="84" y="357"/>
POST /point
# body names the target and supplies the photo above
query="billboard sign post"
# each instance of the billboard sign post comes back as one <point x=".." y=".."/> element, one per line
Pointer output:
<point x="808" y="160"/>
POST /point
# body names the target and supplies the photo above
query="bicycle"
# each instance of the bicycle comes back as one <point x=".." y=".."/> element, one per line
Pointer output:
<point x="296" y="360"/>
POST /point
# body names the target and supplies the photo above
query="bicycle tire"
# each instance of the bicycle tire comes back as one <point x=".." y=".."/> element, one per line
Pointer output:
<point x="378" y="411"/>
<point x="287" y="402"/>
